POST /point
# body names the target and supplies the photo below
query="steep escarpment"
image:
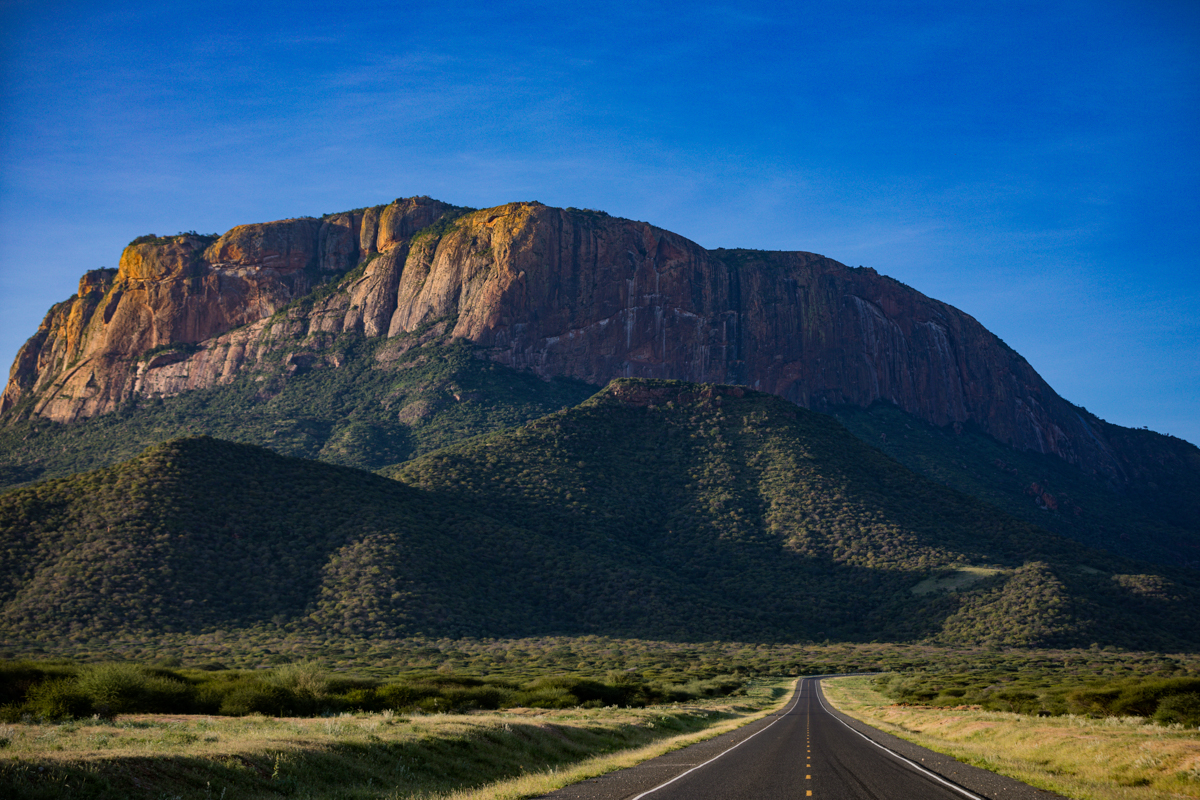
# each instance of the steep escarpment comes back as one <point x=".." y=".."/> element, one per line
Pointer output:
<point x="558" y="292"/>
<point x="170" y="294"/>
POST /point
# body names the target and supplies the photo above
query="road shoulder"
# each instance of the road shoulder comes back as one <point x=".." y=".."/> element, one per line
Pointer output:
<point x="980" y="781"/>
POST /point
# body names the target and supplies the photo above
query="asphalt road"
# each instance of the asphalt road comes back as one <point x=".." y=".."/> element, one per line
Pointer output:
<point x="807" y="750"/>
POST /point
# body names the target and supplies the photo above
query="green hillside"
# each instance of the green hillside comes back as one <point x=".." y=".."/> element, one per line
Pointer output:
<point x="387" y="401"/>
<point x="1155" y="517"/>
<point x="653" y="510"/>
<point x="395" y="399"/>
<point x="763" y="505"/>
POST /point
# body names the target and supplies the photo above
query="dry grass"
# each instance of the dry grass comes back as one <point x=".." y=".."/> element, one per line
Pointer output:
<point x="1118" y="758"/>
<point x="511" y="754"/>
<point x="541" y="783"/>
<point x="958" y="579"/>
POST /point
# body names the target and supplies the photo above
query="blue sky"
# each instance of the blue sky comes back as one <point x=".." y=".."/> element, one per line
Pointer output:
<point x="1034" y="164"/>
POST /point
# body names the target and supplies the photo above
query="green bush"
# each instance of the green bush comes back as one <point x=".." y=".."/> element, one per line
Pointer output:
<point x="55" y="700"/>
<point x="547" y="697"/>
<point x="113" y="688"/>
<point x="1013" y="700"/>
<point x="305" y="680"/>
<point x="1093" y="700"/>
<point x="1143" y="699"/>
<point x="131" y="689"/>
<point x="398" y="696"/>
<point x="1179" y="708"/>
<point x="253" y="697"/>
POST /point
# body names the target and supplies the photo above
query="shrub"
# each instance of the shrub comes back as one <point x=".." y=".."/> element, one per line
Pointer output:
<point x="1143" y="699"/>
<point x="547" y="697"/>
<point x="472" y="697"/>
<point x="54" y="700"/>
<point x="1013" y="700"/>
<point x="305" y="679"/>
<point x="304" y="687"/>
<point x="131" y="688"/>
<point x="252" y="697"/>
<point x="1179" y="708"/>
<point x="113" y="688"/>
<point x="398" y="696"/>
<point x="1093" y="700"/>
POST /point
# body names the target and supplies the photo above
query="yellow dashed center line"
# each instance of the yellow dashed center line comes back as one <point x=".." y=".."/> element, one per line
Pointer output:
<point x="808" y="739"/>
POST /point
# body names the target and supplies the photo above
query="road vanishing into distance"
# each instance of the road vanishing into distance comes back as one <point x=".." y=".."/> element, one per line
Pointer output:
<point x="805" y="750"/>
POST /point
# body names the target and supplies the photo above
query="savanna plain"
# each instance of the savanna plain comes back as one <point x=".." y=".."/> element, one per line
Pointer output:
<point x="514" y="719"/>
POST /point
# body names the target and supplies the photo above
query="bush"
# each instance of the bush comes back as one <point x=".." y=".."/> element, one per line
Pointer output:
<point x="1179" y="708"/>
<point x="547" y="697"/>
<point x="255" y="697"/>
<point x="1013" y="700"/>
<point x="1143" y="699"/>
<point x="398" y="696"/>
<point x="304" y="680"/>
<point x="131" y="688"/>
<point x="1093" y="700"/>
<point x="113" y="688"/>
<point x="54" y="700"/>
<point x="472" y="697"/>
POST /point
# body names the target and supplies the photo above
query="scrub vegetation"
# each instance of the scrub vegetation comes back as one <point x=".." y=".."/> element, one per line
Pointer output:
<point x="389" y="400"/>
<point x="657" y="510"/>
<point x="1045" y="693"/>
<point x="565" y="710"/>
<point x="64" y="691"/>
<point x="1152" y="518"/>
<point x="521" y="752"/>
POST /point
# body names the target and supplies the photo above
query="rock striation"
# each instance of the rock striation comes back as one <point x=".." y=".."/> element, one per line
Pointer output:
<point x="560" y="292"/>
<point x="171" y="295"/>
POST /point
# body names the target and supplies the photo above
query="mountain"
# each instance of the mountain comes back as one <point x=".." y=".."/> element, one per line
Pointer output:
<point x="654" y="509"/>
<point x="234" y="326"/>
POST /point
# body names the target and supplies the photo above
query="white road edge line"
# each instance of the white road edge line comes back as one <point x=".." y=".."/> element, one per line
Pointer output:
<point x="795" y="702"/>
<point x="909" y="761"/>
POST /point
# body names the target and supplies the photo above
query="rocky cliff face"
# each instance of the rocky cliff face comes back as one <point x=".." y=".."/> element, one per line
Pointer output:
<point x="172" y="294"/>
<point x="558" y="292"/>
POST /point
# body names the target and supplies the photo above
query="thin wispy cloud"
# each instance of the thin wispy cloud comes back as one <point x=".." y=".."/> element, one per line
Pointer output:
<point x="995" y="157"/>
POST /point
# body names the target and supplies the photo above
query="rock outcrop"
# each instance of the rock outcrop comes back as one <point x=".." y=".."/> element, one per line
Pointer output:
<point x="170" y="294"/>
<point x="559" y="292"/>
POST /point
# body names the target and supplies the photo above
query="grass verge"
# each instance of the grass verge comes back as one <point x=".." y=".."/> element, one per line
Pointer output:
<point x="513" y="754"/>
<point x="1114" y="758"/>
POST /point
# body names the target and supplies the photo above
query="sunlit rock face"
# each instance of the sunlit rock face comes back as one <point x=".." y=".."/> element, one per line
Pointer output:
<point x="559" y="292"/>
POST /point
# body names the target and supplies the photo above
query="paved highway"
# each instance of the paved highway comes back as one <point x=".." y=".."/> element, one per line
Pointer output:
<point x="807" y="750"/>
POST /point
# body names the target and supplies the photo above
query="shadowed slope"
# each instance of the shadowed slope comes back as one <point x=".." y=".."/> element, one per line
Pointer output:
<point x="656" y="509"/>
<point x="781" y="512"/>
